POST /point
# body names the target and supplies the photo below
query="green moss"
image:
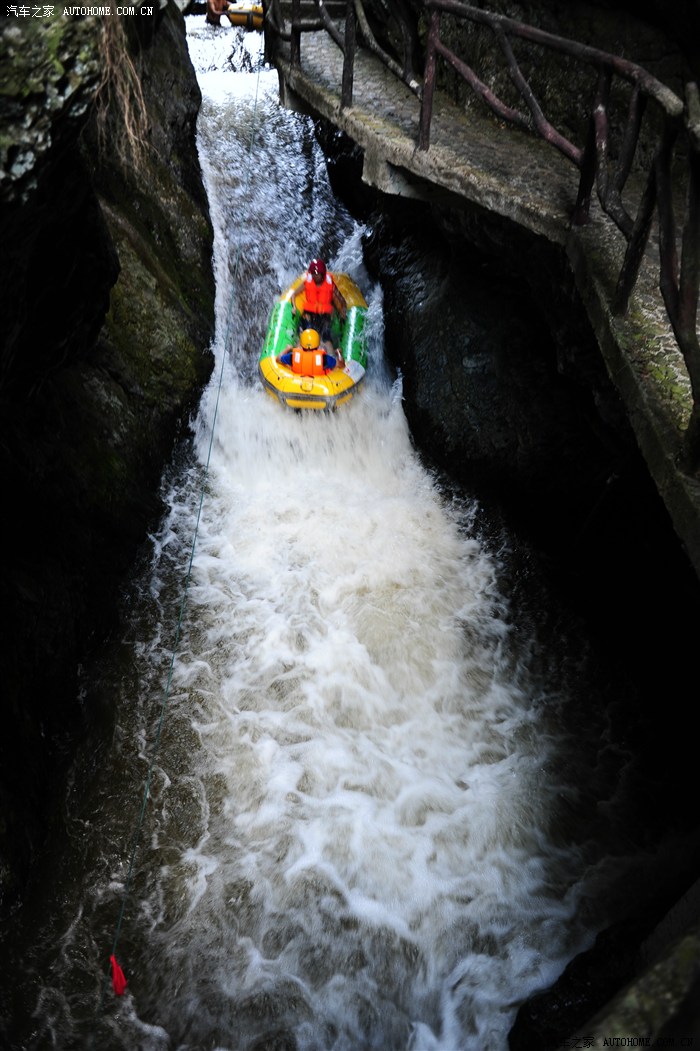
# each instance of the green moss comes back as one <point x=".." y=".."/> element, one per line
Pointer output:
<point x="152" y="327"/>
<point x="47" y="51"/>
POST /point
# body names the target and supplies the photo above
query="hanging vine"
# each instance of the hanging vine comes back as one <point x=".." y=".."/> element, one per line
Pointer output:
<point x="121" y="117"/>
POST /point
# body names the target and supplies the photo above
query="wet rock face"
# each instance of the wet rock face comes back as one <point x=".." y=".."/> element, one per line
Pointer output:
<point x="504" y="387"/>
<point x="50" y="71"/>
<point x="55" y="241"/>
<point x="106" y="323"/>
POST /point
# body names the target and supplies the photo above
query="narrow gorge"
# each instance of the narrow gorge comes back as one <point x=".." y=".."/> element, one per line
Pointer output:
<point x="537" y="600"/>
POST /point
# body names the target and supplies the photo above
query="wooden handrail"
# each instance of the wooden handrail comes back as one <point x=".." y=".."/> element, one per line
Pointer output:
<point x="628" y="70"/>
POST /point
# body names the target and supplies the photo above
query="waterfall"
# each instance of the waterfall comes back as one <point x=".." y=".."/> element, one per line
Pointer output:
<point x="371" y="809"/>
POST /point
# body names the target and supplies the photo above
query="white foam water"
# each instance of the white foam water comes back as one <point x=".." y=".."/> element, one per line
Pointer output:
<point x="373" y="869"/>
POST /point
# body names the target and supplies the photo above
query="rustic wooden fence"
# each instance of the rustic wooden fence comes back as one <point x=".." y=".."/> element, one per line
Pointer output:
<point x="677" y="140"/>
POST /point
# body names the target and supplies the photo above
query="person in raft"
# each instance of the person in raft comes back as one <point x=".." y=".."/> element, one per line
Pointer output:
<point x="320" y="296"/>
<point x="215" y="9"/>
<point x="309" y="359"/>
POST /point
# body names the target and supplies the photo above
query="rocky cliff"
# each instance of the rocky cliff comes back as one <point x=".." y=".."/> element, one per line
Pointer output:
<point x="106" y="324"/>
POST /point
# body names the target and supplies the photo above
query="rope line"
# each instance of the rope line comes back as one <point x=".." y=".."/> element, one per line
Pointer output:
<point x="171" y="668"/>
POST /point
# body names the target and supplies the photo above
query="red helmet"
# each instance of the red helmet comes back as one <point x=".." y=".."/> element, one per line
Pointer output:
<point x="317" y="266"/>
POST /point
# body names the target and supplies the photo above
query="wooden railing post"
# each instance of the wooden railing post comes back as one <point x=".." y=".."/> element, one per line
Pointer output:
<point x="295" y="46"/>
<point x="688" y="298"/>
<point x="271" y="28"/>
<point x="668" y="251"/>
<point x="689" y="287"/>
<point x="426" y="106"/>
<point x="636" y="247"/>
<point x="269" y="41"/>
<point x="582" y="208"/>
<point x="680" y="279"/>
<point x="349" y="55"/>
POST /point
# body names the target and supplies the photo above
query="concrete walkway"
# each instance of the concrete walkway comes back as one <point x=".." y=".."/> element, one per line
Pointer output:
<point x="522" y="178"/>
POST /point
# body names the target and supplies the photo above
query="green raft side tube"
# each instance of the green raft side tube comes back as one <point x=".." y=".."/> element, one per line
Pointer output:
<point x="281" y="330"/>
<point x="351" y="337"/>
<point x="348" y="334"/>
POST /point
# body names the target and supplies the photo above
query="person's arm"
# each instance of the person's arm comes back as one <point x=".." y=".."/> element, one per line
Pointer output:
<point x="296" y="291"/>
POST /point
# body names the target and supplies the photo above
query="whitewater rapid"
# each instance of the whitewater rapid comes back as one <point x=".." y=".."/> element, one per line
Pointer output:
<point x="358" y="828"/>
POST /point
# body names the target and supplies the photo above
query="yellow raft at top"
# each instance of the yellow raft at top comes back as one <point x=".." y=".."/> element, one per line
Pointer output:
<point x="250" y="16"/>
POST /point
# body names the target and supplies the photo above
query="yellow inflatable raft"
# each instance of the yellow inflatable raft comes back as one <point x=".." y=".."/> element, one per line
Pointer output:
<point x="250" y="16"/>
<point x="333" y="387"/>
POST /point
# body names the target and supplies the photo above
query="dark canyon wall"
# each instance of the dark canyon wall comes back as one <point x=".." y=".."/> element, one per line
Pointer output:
<point x="106" y="322"/>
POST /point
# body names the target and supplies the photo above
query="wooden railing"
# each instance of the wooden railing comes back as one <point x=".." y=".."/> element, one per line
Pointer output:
<point x="677" y="139"/>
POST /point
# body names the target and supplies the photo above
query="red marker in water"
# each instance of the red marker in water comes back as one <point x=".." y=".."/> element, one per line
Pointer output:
<point x="118" y="979"/>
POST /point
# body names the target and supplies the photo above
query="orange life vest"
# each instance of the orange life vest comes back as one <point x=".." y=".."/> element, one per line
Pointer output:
<point x="308" y="362"/>
<point x="318" y="299"/>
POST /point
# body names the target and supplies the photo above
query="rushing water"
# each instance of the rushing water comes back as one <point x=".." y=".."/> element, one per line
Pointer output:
<point x="371" y="800"/>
